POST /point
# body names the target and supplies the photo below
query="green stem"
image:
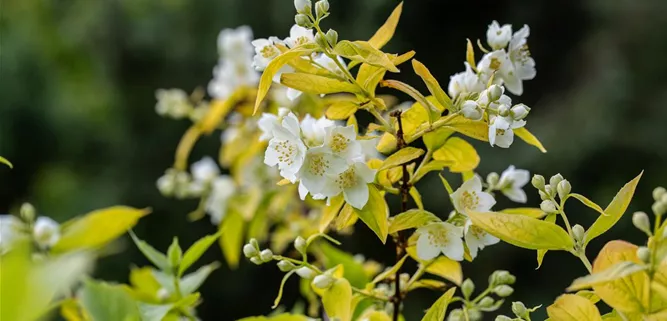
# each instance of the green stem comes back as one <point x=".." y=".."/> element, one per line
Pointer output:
<point x="584" y="259"/>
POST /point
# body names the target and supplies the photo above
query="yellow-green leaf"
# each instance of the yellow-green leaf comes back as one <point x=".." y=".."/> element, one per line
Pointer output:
<point x="570" y="307"/>
<point x="463" y="156"/>
<point x="413" y="218"/>
<point x="438" y="310"/>
<point x="279" y="317"/>
<point x="218" y="109"/>
<point x="434" y="165"/>
<point x="437" y="138"/>
<point x="342" y="110"/>
<point x="474" y="129"/>
<point x="231" y="236"/>
<point x="417" y="197"/>
<point x="523" y="231"/>
<point x="584" y="200"/>
<point x="390" y="271"/>
<point x="375" y="213"/>
<point x="274" y="66"/>
<point x="315" y="84"/>
<point x="529" y="138"/>
<point x="6" y="162"/>
<point x="330" y="211"/>
<point x="401" y="157"/>
<point x="384" y="34"/>
<point x="526" y="211"/>
<point x="195" y="251"/>
<point x="614" y="210"/>
<point x="470" y="55"/>
<point x="370" y="76"/>
<point x="337" y="300"/>
<point x="432" y="84"/>
<point x="589" y="295"/>
<point x="353" y="270"/>
<point x="446" y="268"/>
<point x="375" y="316"/>
<point x="541" y="253"/>
<point x="98" y="228"/>
<point x="427" y="283"/>
<point x="362" y="51"/>
<point x="612" y="273"/>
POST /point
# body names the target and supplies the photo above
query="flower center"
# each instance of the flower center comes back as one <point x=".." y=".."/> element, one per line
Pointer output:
<point x="301" y="40"/>
<point x="318" y="165"/>
<point x="347" y="179"/>
<point x="495" y="64"/>
<point x="269" y="51"/>
<point x="469" y="200"/>
<point x="477" y="232"/>
<point x="286" y="152"/>
<point x="339" y="143"/>
<point x="438" y="236"/>
<point x="500" y="132"/>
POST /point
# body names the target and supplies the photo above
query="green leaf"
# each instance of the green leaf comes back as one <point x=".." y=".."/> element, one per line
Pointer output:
<point x="474" y="129"/>
<point x="196" y="251"/>
<point x="174" y="253"/>
<point x="330" y="211"/>
<point x="342" y="110"/>
<point x="571" y="307"/>
<point x="370" y="76"/>
<point x="384" y="34"/>
<point x="156" y="257"/>
<point x="352" y="270"/>
<point x="460" y="153"/>
<point x="6" y="162"/>
<point x="314" y="84"/>
<point x="107" y="302"/>
<point x="274" y="66"/>
<point x="612" y="273"/>
<point x="614" y="210"/>
<point x="523" y="231"/>
<point x="154" y="312"/>
<point x="337" y="300"/>
<point x="435" y="139"/>
<point x="526" y="211"/>
<point x="434" y="165"/>
<point x="446" y="268"/>
<point x="375" y="213"/>
<point x="413" y="218"/>
<point x="584" y="200"/>
<point x="432" y="84"/>
<point x="401" y="157"/>
<point x="438" y="310"/>
<point x="470" y="55"/>
<point x="98" y="228"/>
<point x="529" y="138"/>
<point x="541" y="253"/>
<point x="191" y="282"/>
<point x="231" y="237"/>
<point x="417" y="197"/>
<point x="447" y="186"/>
<point x="390" y="271"/>
<point x="364" y="52"/>
<point x="279" y="317"/>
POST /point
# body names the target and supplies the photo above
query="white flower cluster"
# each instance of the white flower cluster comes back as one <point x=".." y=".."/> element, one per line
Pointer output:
<point x="234" y="68"/>
<point x="326" y="159"/>
<point x="446" y="237"/>
<point x="45" y="232"/>
<point x="173" y="103"/>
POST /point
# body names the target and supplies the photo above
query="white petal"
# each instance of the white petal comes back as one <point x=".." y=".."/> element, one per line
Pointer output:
<point x="366" y="174"/>
<point x="506" y="139"/>
<point x="486" y="202"/>
<point x="291" y="123"/>
<point x="426" y="250"/>
<point x="454" y="249"/>
<point x="473" y="244"/>
<point x="357" y="195"/>
<point x="516" y="194"/>
<point x="292" y="94"/>
<point x="303" y="191"/>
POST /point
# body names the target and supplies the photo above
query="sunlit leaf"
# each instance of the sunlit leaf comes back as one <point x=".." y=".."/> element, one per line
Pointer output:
<point x="107" y="302"/>
<point x="314" y="84"/>
<point x="231" y="236"/>
<point x="441" y="266"/>
<point x="438" y="310"/>
<point x="470" y="55"/>
<point x="612" y="273"/>
<point x="570" y="307"/>
<point x="375" y="213"/>
<point x="364" y="52"/>
<point x="386" y="31"/>
<point x="330" y="211"/>
<point x="337" y="300"/>
<point x="370" y="76"/>
<point x="390" y="271"/>
<point x="435" y="139"/>
<point x="158" y="258"/>
<point x="460" y="153"/>
<point x="541" y="253"/>
<point x="474" y="129"/>
<point x="342" y="110"/>
<point x="191" y="282"/>
<point x="413" y="218"/>
<point x="529" y="138"/>
<point x="402" y="156"/>
<point x="432" y="84"/>
<point x="417" y="197"/>
<point x="352" y="269"/>
<point x="279" y="317"/>
<point x="584" y="200"/>
<point x="526" y="211"/>
<point x="6" y="162"/>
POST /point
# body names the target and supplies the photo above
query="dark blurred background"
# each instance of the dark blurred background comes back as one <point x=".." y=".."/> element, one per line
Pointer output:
<point x="77" y="83"/>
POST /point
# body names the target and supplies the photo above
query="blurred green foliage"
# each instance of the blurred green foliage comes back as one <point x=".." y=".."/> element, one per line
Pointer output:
<point x="77" y="83"/>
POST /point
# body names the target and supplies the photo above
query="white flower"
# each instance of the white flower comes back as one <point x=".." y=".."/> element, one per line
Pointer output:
<point x="476" y="238"/>
<point x="314" y="130"/>
<point x="497" y="62"/>
<point x="465" y="82"/>
<point x="235" y="43"/>
<point x="10" y="227"/>
<point x="302" y="5"/>
<point x="286" y="148"/>
<point x="265" y="51"/>
<point x="229" y="74"/>
<point x="523" y="65"/>
<point x="500" y="130"/>
<point x="470" y="197"/>
<point x="293" y="94"/>
<point x="319" y="164"/>
<point x="343" y="142"/>
<point x="268" y="122"/>
<point x="369" y="149"/>
<point x="353" y="183"/>
<point x="471" y="110"/>
<point x="439" y="238"/>
<point x="46" y="232"/>
<point x="299" y="36"/>
<point x="328" y="63"/>
<point x="173" y="103"/>
<point x="511" y="183"/>
<point x="205" y="170"/>
<point x="497" y="37"/>
<point x="222" y="189"/>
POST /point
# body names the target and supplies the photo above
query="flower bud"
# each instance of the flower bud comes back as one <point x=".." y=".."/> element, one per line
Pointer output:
<point x="46" y="232"/>
<point x="166" y="184"/>
<point x="578" y="232"/>
<point x="564" y="188"/>
<point x="495" y="92"/>
<point x="520" y="310"/>
<point x="332" y="37"/>
<point x="323" y="281"/>
<point x="321" y="40"/>
<point x="163" y="294"/>
<point x="659" y="192"/>
<point x="659" y="208"/>
<point x="471" y="110"/>
<point x="543" y="196"/>
<point x="302" y="6"/>
<point x="548" y="207"/>
<point x="538" y="181"/>
<point x="27" y="212"/>
<point x="554" y="180"/>
<point x="503" y="291"/>
<point x="256" y="260"/>
<point x="503" y="110"/>
<point x="551" y="191"/>
<point x="492" y="179"/>
<point x="519" y="111"/>
<point x="456" y="315"/>
<point x="266" y="255"/>
<point x="644" y="254"/>
<point x="306" y="272"/>
<point x="505" y="277"/>
<point x="467" y="288"/>
<point x="641" y="222"/>
<point x="250" y="251"/>
<point x="321" y="8"/>
<point x="303" y="21"/>
<point x="286" y="266"/>
<point x="503" y="318"/>
<point x="474" y="315"/>
<point x="300" y="245"/>
<point x="486" y="302"/>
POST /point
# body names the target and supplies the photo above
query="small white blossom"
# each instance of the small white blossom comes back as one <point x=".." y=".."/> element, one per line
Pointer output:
<point x="229" y="75"/>
<point x="523" y="64"/>
<point x="519" y="111"/>
<point x="302" y="5"/>
<point x="314" y="130"/>
<point x="265" y="51"/>
<point x="46" y="232"/>
<point x="439" y="238"/>
<point x="501" y="131"/>
<point x="222" y="190"/>
<point x="10" y="227"/>
<point x="299" y="36"/>
<point x="498" y="37"/>
<point x="470" y="197"/>
<point x="328" y="63"/>
<point x="465" y="82"/>
<point x="476" y="238"/>
<point x="205" y="170"/>
<point x="286" y="149"/>
<point x="318" y="164"/>
<point x="293" y="94"/>
<point x="496" y="62"/>
<point x="353" y="183"/>
<point x="343" y="142"/>
<point x="511" y="183"/>
<point x="269" y="121"/>
<point x="235" y="43"/>
<point x="172" y="103"/>
<point x="471" y="110"/>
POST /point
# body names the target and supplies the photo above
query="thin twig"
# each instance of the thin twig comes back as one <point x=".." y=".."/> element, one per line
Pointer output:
<point x="397" y="299"/>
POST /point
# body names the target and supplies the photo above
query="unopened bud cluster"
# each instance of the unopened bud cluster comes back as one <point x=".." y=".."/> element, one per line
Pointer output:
<point x="660" y="197"/>
<point x="520" y="311"/>
<point x="557" y="186"/>
<point x="257" y="256"/>
<point x="175" y="183"/>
